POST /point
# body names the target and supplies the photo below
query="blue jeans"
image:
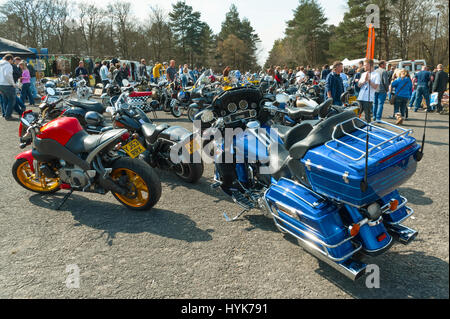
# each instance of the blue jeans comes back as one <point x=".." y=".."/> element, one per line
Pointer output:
<point x="9" y="99"/>
<point x="422" y="92"/>
<point x="26" y="93"/>
<point x="33" y="88"/>
<point x="413" y="98"/>
<point x="400" y="105"/>
<point x="377" y="109"/>
<point x="184" y="80"/>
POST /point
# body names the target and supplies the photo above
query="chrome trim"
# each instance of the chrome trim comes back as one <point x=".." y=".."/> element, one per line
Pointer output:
<point x="370" y="125"/>
<point x="385" y="209"/>
<point x="315" y="204"/>
<point x="345" y="177"/>
<point x="379" y="249"/>
<point x="402" y="233"/>
<point x="375" y="222"/>
<point x="318" y="249"/>
<point x="411" y="212"/>
<point x="314" y="237"/>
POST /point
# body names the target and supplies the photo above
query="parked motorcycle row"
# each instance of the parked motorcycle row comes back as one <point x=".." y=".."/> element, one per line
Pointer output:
<point x="321" y="173"/>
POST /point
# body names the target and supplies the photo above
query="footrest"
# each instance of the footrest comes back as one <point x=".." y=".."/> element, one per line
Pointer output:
<point x="242" y="201"/>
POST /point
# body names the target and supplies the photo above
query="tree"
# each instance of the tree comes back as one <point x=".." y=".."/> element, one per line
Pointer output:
<point x="240" y="30"/>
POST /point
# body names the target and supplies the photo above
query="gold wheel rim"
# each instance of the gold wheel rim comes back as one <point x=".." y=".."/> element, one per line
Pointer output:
<point x="39" y="184"/>
<point x="139" y="194"/>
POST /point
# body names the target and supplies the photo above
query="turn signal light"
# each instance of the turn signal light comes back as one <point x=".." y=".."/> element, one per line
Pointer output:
<point x="393" y="205"/>
<point x="354" y="230"/>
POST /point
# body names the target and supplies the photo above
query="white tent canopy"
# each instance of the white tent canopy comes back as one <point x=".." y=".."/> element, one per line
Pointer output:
<point x="346" y="62"/>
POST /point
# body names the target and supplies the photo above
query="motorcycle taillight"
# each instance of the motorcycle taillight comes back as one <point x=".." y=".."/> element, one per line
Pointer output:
<point x="125" y="137"/>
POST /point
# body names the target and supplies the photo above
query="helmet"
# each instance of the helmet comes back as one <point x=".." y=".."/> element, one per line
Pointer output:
<point x="183" y="96"/>
<point x="113" y="90"/>
<point x="50" y="84"/>
<point x="93" y="118"/>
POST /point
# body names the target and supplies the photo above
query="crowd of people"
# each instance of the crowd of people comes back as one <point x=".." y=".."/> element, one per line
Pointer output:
<point x="16" y="76"/>
<point x="115" y="71"/>
<point x="373" y="85"/>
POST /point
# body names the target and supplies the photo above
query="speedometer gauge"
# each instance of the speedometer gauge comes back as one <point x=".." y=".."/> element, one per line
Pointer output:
<point x="243" y="104"/>
<point x="232" y="107"/>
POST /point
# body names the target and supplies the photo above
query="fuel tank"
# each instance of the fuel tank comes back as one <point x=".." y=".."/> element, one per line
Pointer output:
<point x="61" y="129"/>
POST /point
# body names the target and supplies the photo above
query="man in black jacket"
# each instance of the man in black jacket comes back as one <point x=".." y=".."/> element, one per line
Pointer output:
<point x="440" y="85"/>
<point x="17" y="72"/>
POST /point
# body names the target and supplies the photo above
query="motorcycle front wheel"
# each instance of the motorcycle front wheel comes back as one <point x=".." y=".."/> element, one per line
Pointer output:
<point x="192" y="111"/>
<point x="26" y="178"/>
<point x="141" y="181"/>
<point x="176" y="110"/>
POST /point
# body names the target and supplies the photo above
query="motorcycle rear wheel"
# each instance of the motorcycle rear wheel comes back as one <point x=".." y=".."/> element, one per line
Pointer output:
<point x="190" y="173"/>
<point x="26" y="178"/>
<point x="143" y="183"/>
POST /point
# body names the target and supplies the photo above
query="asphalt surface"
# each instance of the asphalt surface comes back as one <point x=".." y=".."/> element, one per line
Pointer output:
<point x="183" y="248"/>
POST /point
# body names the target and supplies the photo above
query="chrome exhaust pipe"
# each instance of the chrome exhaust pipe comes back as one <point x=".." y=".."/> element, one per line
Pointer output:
<point x="351" y="268"/>
<point x="403" y="234"/>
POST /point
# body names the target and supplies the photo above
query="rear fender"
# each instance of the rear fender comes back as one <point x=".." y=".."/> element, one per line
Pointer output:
<point x="29" y="157"/>
<point x="186" y="148"/>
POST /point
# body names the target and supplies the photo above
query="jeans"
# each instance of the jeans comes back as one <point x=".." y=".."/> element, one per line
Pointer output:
<point x="26" y="93"/>
<point x="9" y="99"/>
<point x="413" y="98"/>
<point x="377" y="110"/>
<point x="33" y="88"/>
<point x="439" y="105"/>
<point x="400" y="105"/>
<point x="184" y="80"/>
<point x="422" y="92"/>
<point x="367" y="107"/>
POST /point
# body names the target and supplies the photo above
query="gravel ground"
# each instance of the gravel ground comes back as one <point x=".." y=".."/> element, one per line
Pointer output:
<point x="184" y="248"/>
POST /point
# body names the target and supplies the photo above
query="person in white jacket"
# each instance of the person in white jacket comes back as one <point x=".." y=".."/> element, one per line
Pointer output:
<point x="7" y="86"/>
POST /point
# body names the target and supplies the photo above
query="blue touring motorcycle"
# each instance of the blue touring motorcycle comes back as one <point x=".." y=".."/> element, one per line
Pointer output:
<point x="329" y="182"/>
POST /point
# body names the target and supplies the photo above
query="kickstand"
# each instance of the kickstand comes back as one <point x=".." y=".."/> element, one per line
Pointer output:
<point x="234" y="218"/>
<point x="66" y="197"/>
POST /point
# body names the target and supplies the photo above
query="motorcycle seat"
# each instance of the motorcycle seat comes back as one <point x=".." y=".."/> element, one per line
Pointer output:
<point x="320" y="134"/>
<point x="152" y="131"/>
<point x="88" y="105"/>
<point x="309" y="112"/>
<point x="278" y="160"/>
<point x="82" y="142"/>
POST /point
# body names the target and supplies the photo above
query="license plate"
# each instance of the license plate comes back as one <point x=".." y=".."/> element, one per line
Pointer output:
<point x="352" y="99"/>
<point x="134" y="148"/>
<point x="192" y="147"/>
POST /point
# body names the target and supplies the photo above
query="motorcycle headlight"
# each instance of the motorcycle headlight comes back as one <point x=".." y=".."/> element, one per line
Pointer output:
<point x="207" y="116"/>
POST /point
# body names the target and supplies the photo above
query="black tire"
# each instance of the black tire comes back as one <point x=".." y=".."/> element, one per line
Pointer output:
<point x="176" y="110"/>
<point x="192" y="111"/>
<point x="147" y="174"/>
<point x="190" y="173"/>
<point x="15" y="169"/>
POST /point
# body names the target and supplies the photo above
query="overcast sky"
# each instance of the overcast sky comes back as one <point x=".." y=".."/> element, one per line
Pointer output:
<point x="268" y="17"/>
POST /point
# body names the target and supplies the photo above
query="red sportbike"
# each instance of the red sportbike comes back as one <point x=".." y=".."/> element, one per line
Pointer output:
<point x="64" y="156"/>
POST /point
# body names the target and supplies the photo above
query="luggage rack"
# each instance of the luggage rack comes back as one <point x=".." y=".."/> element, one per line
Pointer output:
<point x="372" y="134"/>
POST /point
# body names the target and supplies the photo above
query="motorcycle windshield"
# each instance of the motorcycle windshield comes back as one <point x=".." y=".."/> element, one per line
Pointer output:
<point x="204" y="78"/>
